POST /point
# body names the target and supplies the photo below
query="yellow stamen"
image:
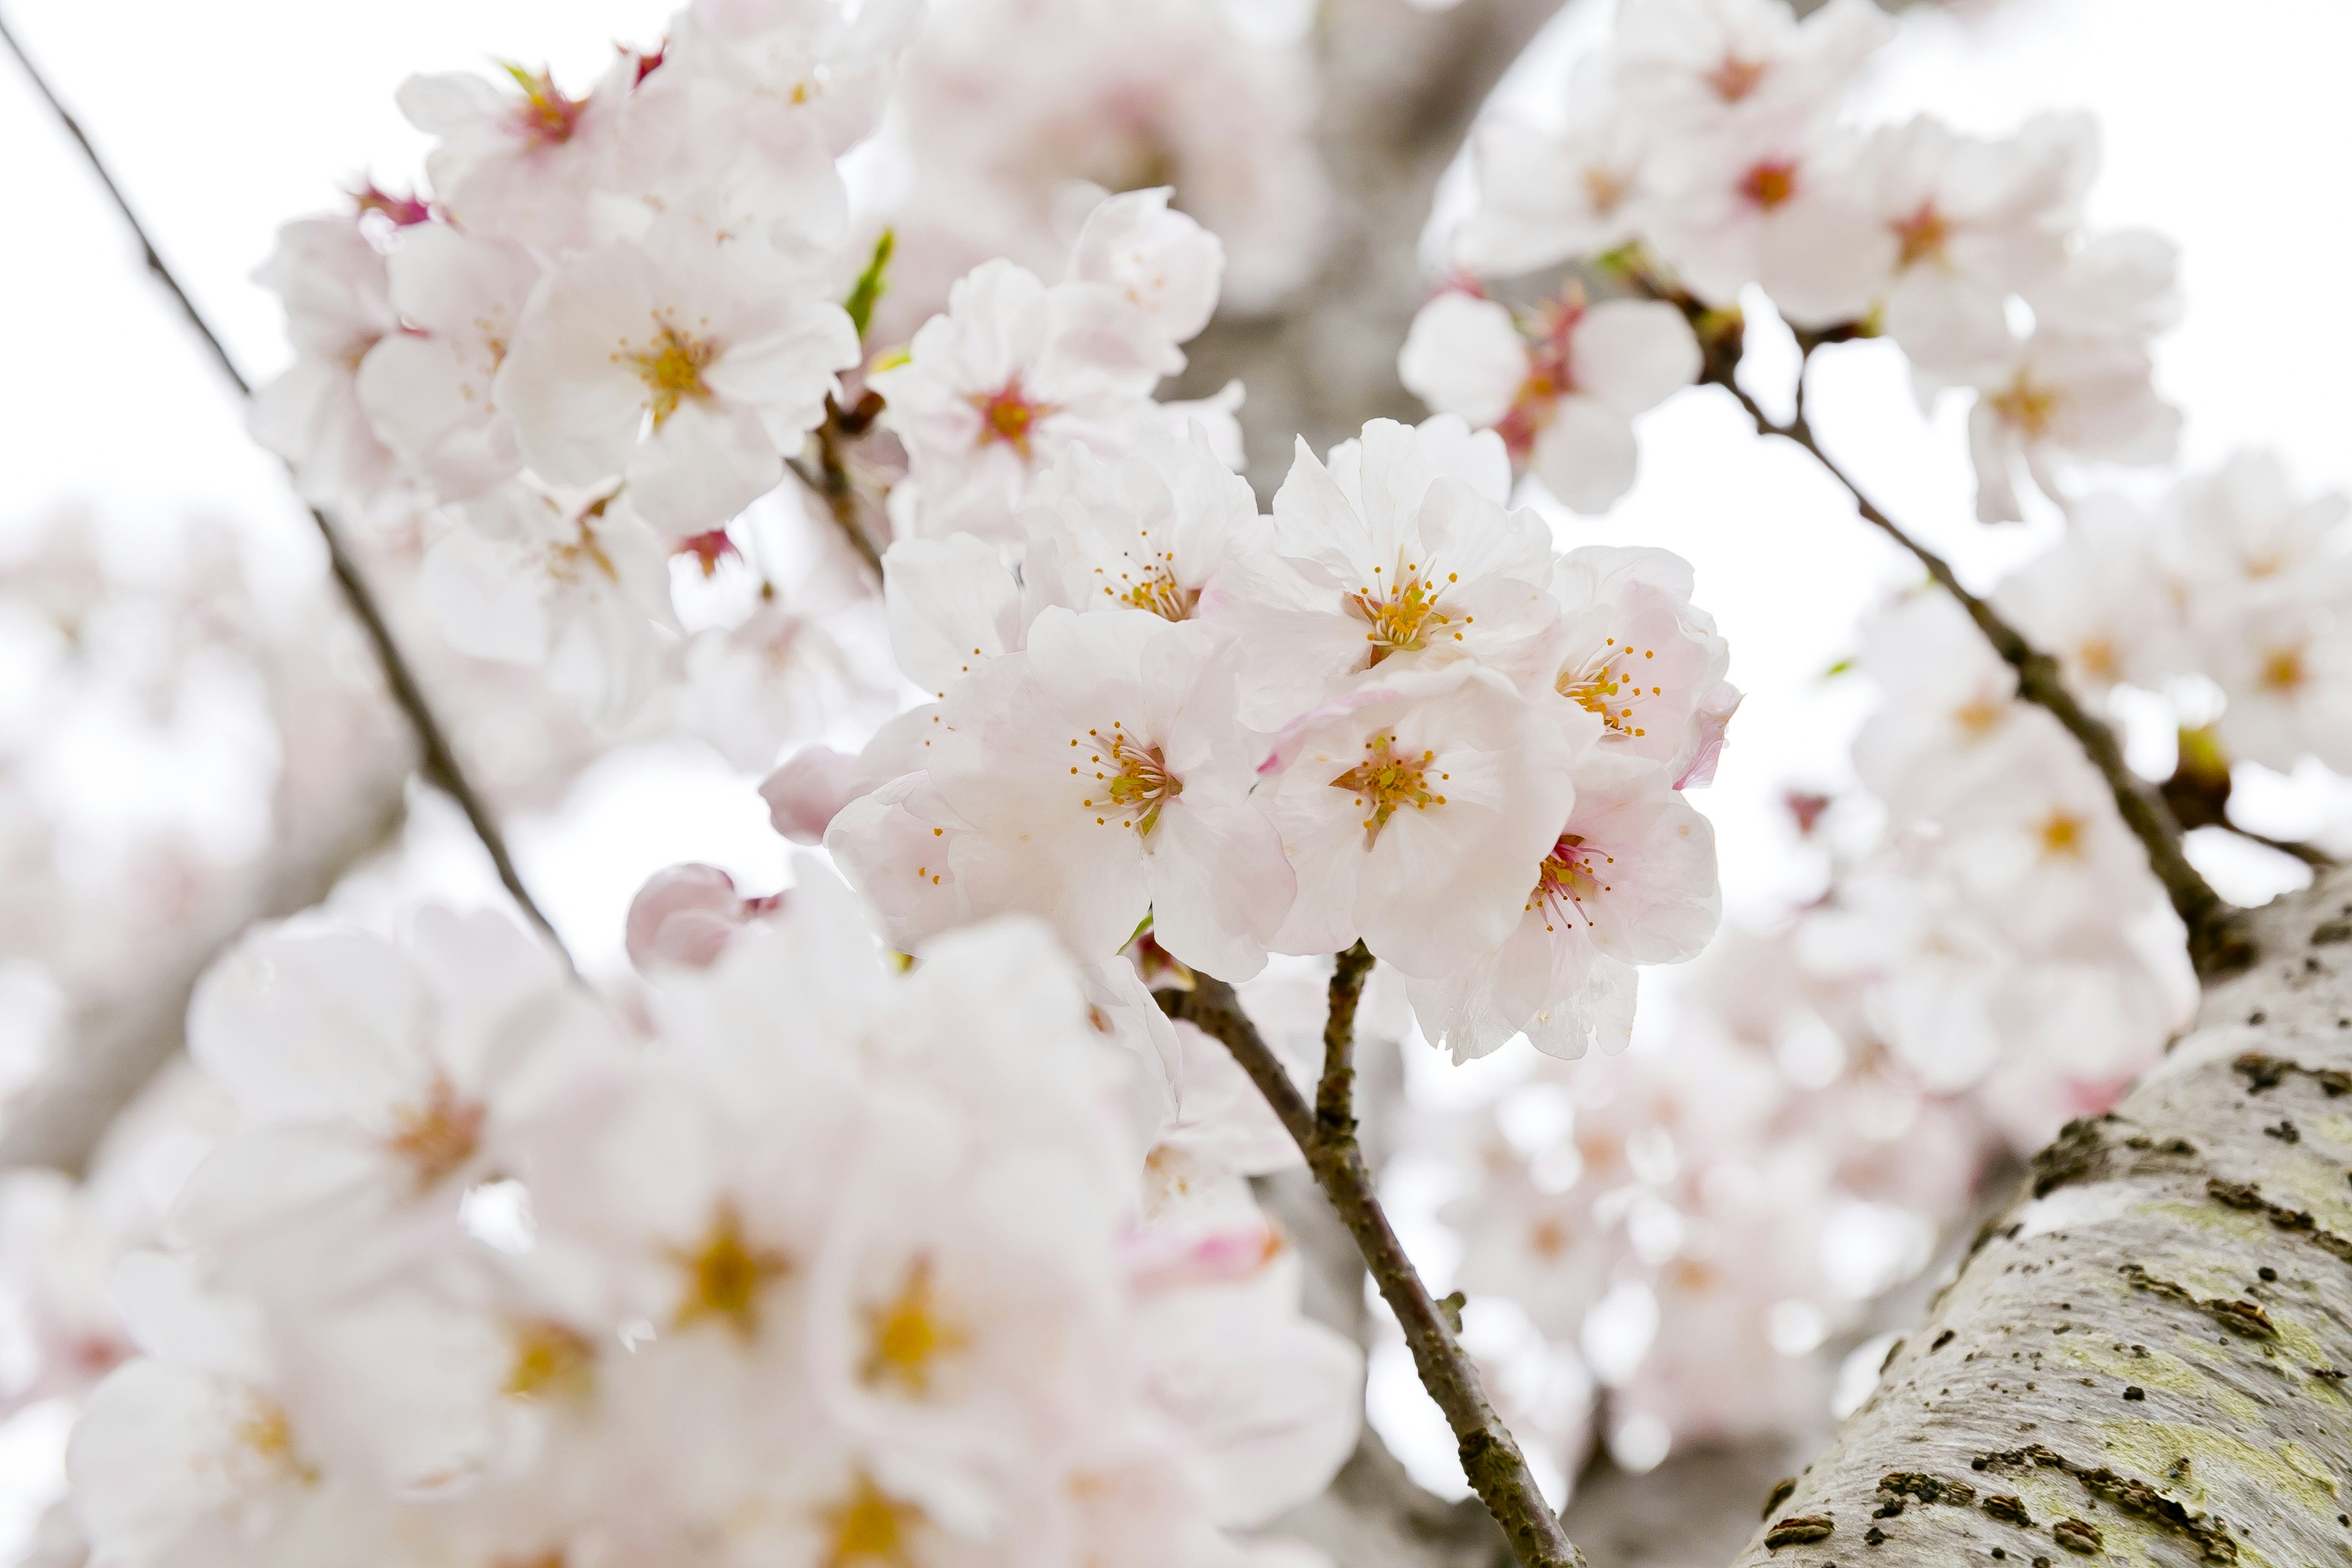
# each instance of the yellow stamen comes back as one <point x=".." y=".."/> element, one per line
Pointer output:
<point x="1402" y="616"/>
<point x="725" y="1276"/>
<point x="550" y="1359"/>
<point x="672" y="370"/>
<point x="2284" y="670"/>
<point x="2063" y="834"/>
<point x="439" y="1136"/>
<point x="1384" y="780"/>
<point x="908" y="1334"/>
<point x="870" y="1526"/>
<point x="1922" y="234"/>
<point x="1140" y="787"/>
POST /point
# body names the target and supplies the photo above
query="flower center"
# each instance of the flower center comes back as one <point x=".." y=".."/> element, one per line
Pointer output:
<point x="870" y="1526"/>
<point x="1922" y="234"/>
<point x="1159" y="591"/>
<point x="1384" y="780"/>
<point x="909" y="1335"/>
<point x="1134" y="779"/>
<point x="439" y="1136"/>
<point x="1569" y="875"/>
<point x="672" y="370"/>
<point x="1605" y="188"/>
<point x="550" y="1358"/>
<point x="1734" y="78"/>
<point x="1008" y="414"/>
<point x="2027" y="407"/>
<point x="1603" y="690"/>
<point x="725" y="1276"/>
<point x="269" y="1436"/>
<point x="1400" y="614"/>
<point x="1770" y="183"/>
<point x="2282" y="671"/>
<point x="545" y="116"/>
<point x="1979" y="716"/>
<point x="2061" y="834"/>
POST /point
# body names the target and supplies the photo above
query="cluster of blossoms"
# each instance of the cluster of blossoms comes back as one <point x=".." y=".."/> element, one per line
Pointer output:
<point x="1390" y="712"/>
<point x="896" y="1224"/>
<point x="596" y="346"/>
<point x="841" y="1266"/>
<point x="1017" y="116"/>
<point x="167" y="666"/>
<point x="1701" y="155"/>
<point x="1700" y="1224"/>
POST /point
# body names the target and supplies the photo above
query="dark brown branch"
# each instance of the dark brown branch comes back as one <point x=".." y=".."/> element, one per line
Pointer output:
<point x="2212" y="945"/>
<point x="1498" y="1471"/>
<point x="438" y="763"/>
<point x="829" y="478"/>
<point x="1335" y="1114"/>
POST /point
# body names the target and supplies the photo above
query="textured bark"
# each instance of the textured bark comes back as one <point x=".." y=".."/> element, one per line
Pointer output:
<point x="2145" y="1359"/>
<point x="117" y="1044"/>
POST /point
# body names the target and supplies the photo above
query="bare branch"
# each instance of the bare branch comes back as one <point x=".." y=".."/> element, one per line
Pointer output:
<point x="830" y="481"/>
<point x="438" y="762"/>
<point x="1490" y="1456"/>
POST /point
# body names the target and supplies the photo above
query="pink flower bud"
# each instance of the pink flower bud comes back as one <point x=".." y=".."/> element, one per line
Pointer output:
<point x="685" y="916"/>
<point x="814" y="785"/>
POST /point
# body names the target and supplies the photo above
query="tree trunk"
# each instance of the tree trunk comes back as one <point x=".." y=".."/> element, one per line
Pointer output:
<point x="2144" y="1360"/>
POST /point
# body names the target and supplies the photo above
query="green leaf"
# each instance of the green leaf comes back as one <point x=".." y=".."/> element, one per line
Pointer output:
<point x="860" y="303"/>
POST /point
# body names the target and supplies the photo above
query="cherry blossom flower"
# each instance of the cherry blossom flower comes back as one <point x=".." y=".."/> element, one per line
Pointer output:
<point x="338" y="308"/>
<point x="1397" y="555"/>
<point x="1563" y="395"/>
<point x="520" y="160"/>
<point x="376" y="1079"/>
<point x="1630" y="880"/>
<point x="1963" y="223"/>
<point x="687" y="915"/>
<point x="1146" y="531"/>
<point x="578" y="589"/>
<point x="1633" y="651"/>
<point x="1011" y="377"/>
<point x="429" y="388"/>
<point x="1417" y="809"/>
<point x="1718" y="68"/>
<point x="1102" y="774"/>
<point x="1022" y="113"/>
<point x="1548" y="196"/>
<point x="681" y="366"/>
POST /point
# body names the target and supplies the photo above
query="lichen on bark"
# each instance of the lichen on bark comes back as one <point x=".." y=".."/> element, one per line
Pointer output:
<point x="2144" y="1360"/>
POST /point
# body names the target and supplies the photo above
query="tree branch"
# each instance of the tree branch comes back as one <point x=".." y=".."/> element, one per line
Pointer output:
<point x="829" y="478"/>
<point x="438" y="762"/>
<point x="1335" y="1113"/>
<point x="2147" y="1356"/>
<point x="1491" y="1458"/>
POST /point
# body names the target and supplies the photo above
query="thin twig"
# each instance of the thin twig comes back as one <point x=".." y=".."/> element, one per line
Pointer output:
<point x="2039" y="681"/>
<point x="829" y="481"/>
<point x="1335" y="1114"/>
<point x="2310" y="855"/>
<point x="438" y="763"/>
<point x="1491" y="1458"/>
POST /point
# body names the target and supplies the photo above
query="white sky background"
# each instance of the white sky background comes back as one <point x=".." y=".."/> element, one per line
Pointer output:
<point x="2226" y="127"/>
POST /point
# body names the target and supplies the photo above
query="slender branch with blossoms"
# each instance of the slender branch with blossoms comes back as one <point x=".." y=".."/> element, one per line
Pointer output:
<point x="904" y="1216"/>
<point x="438" y="762"/>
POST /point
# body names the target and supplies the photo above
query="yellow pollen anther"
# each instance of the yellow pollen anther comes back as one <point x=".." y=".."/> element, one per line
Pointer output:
<point x="726" y="1275"/>
<point x="1922" y="234"/>
<point x="550" y="1358"/>
<point x="1384" y="780"/>
<point x="870" y="1526"/>
<point x="1140" y="787"/>
<point x="1007" y="414"/>
<point x="672" y="370"/>
<point x="439" y="1136"/>
<point x="1770" y="183"/>
<point x="2063" y="834"/>
<point x="2027" y="407"/>
<point x="908" y="1334"/>
<point x="2283" y="670"/>
<point x="1401" y="616"/>
<point x="1160" y="594"/>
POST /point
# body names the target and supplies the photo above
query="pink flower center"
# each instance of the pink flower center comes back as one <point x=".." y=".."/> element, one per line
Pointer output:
<point x="545" y="116"/>
<point x="1009" y="415"/>
<point x="1768" y="184"/>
